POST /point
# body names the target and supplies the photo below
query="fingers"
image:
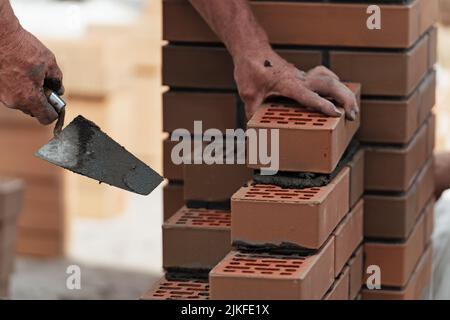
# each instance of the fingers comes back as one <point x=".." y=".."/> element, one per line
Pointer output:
<point x="322" y="71"/>
<point x="41" y="109"/>
<point x="311" y="99"/>
<point x="331" y="87"/>
<point x="53" y="77"/>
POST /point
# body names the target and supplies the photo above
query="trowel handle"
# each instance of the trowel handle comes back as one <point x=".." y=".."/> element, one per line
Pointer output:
<point x="59" y="105"/>
<point x="56" y="101"/>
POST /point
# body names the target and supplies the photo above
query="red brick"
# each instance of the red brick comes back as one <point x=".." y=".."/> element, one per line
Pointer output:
<point x="356" y="265"/>
<point x="308" y="141"/>
<point x="389" y="73"/>
<point x="393" y="216"/>
<point x="172" y="199"/>
<point x="268" y="214"/>
<point x="251" y="276"/>
<point x="348" y="236"/>
<point x="196" y="238"/>
<point x="171" y="171"/>
<point x="400" y="119"/>
<point x="213" y="183"/>
<point x="414" y="289"/>
<point x="182" y="289"/>
<point x="212" y="67"/>
<point x="340" y="288"/>
<point x="40" y="243"/>
<point x="394" y="169"/>
<point x="397" y="260"/>
<point x="317" y="24"/>
<point x="356" y="166"/>
<point x="215" y="110"/>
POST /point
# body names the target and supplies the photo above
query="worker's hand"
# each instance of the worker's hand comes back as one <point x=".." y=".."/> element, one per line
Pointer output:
<point x="263" y="73"/>
<point x="26" y="66"/>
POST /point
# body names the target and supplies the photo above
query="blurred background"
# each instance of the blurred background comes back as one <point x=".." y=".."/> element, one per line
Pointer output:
<point x="110" y="53"/>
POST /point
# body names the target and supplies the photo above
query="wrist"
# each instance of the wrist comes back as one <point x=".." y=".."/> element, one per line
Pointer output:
<point x="9" y="24"/>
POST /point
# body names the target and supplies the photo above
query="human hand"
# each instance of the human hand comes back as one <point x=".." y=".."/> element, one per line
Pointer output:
<point x="263" y="73"/>
<point x="26" y="67"/>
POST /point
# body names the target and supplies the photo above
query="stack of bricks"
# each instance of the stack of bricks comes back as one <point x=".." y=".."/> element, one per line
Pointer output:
<point x="41" y="226"/>
<point x="394" y="66"/>
<point x="11" y="194"/>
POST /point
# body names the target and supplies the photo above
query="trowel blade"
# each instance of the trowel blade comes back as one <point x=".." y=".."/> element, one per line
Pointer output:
<point x="82" y="147"/>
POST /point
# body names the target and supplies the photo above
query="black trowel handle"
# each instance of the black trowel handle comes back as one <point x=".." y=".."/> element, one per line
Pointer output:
<point x="60" y="107"/>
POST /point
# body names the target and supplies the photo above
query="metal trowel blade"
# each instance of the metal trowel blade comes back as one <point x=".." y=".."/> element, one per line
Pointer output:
<point x="82" y="147"/>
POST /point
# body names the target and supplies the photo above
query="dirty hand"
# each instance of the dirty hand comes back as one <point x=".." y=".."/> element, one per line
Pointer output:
<point x="26" y="67"/>
<point x="264" y="73"/>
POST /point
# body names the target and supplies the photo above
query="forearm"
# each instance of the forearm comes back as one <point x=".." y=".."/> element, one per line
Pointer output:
<point x="234" y="23"/>
<point x="9" y="24"/>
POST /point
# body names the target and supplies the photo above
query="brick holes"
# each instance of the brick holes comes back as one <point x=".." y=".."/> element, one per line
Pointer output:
<point x="204" y="217"/>
<point x="293" y="116"/>
<point x="271" y="192"/>
<point x="262" y="264"/>
<point x="189" y="289"/>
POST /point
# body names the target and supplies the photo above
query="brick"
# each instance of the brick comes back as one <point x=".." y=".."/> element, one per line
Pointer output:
<point x="429" y="222"/>
<point x="215" y="110"/>
<point x="389" y="168"/>
<point x="356" y="265"/>
<point x="388" y="73"/>
<point x="171" y="171"/>
<point x="348" y="236"/>
<point x="397" y="261"/>
<point x="43" y="205"/>
<point x="415" y="287"/>
<point x="212" y="67"/>
<point x="196" y="238"/>
<point x="268" y="214"/>
<point x="205" y="183"/>
<point x="356" y="166"/>
<point x="172" y="199"/>
<point x="40" y="243"/>
<point x="178" y="289"/>
<point x="302" y="23"/>
<point x="431" y="134"/>
<point x="400" y="119"/>
<point x="11" y="197"/>
<point x="392" y="216"/>
<point x="251" y="276"/>
<point x="325" y="138"/>
<point x="340" y="288"/>
<point x="22" y="161"/>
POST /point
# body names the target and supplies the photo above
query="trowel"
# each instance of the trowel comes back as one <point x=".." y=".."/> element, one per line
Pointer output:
<point x="82" y="147"/>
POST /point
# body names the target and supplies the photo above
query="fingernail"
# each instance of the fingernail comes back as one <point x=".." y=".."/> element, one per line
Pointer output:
<point x="353" y="115"/>
<point x="338" y="112"/>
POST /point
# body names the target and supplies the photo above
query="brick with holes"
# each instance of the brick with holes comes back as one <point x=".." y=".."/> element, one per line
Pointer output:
<point x="308" y="141"/>
<point x="178" y="289"/>
<point x="271" y="215"/>
<point x="393" y="215"/>
<point x="389" y="168"/>
<point x="341" y="287"/>
<point x="196" y="238"/>
<point x="263" y="276"/>
<point x="414" y="289"/>
<point x="396" y="260"/>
